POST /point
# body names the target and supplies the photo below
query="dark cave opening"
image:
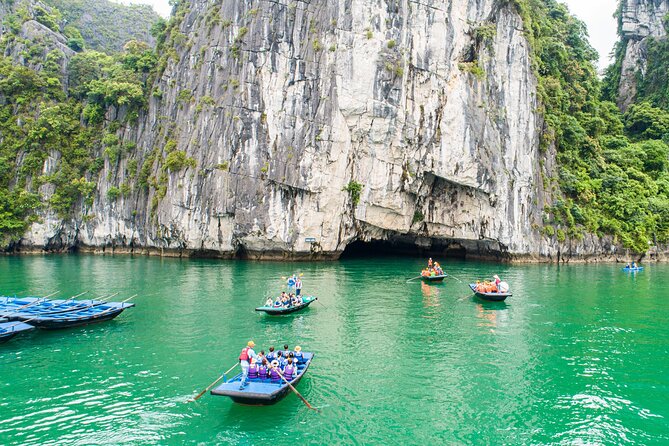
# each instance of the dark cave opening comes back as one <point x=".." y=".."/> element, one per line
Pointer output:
<point x="388" y="248"/>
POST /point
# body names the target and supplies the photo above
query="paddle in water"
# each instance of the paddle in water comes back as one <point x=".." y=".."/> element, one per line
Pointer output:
<point x="294" y="389"/>
<point x="212" y="384"/>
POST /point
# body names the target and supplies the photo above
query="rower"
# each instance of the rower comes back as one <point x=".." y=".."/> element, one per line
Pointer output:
<point x="497" y="282"/>
<point x="274" y="372"/>
<point x="289" y="371"/>
<point x="244" y="357"/>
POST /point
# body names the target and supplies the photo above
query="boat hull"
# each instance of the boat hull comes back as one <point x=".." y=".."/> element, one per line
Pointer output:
<point x="633" y="270"/>
<point x="436" y="279"/>
<point x="259" y="393"/>
<point x="10" y="329"/>
<point x="280" y="311"/>
<point x="66" y="321"/>
<point x="492" y="297"/>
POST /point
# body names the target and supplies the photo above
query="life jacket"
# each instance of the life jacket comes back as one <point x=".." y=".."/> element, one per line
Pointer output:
<point x="262" y="371"/>
<point x="274" y="374"/>
<point x="271" y="356"/>
<point x="299" y="357"/>
<point x="253" y="371"/>
<point x="288" y="372"/>
<point x="244" y="356"/>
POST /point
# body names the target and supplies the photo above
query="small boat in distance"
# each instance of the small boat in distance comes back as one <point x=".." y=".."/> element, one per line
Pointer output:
<point x="10" y="329"/>
<point x="261" y="392"/>
<point x="631" y="269"/>
<point x="485" y="293"/>
<point x="275" y="311"/>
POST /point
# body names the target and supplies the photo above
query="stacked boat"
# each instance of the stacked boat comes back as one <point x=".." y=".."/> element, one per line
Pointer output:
<point x="18" y="314"/>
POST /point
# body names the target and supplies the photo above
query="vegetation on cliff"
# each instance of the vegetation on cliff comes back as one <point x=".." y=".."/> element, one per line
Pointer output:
<point x="613" y="169"/>
<point x="104" y="25"/>
<point x="613" y="175"/>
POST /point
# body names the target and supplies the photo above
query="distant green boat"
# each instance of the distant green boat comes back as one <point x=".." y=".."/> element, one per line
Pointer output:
<point x="276" y="311"/>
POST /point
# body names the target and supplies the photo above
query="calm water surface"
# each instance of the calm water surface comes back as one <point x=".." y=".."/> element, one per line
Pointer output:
<point x="579" y="355"/>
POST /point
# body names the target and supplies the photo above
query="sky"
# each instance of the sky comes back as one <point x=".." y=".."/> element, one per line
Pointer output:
<point x="597" y="14"/>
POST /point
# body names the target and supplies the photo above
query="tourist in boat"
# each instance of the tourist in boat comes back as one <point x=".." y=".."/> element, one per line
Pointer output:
<point x="438" y="270"/>
<point x="286" y="351"/>
<point x="271" y="355"/>
<point x="497" y="282"/>
<point x="298" y="354"/>
<point x="280" y="358"/>
<point x="253" y="369"/>
<point x="244" y="361"/>
<point x="633" y="265"/>
<point x="262" y="370"/>
<point x="269" y="302"/>
<point x="274" y="371"/>
<point x="429" y="263"/>
<point x="289" y="371"/>
<point x="261" y="357"/>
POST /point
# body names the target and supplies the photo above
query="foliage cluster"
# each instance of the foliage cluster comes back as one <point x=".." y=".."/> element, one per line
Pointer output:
<point x="613" y="173"/>
<point x="105" y="25"/>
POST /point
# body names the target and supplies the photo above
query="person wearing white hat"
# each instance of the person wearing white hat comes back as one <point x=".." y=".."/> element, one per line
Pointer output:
<point x="244" y="361"/>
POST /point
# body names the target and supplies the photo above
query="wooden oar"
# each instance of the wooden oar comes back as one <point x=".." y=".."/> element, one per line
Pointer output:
<point x="316" y="299"/>
<point x="294" y="389"/>
<point x="212" y="384"/>
<point x="413" y="278"/>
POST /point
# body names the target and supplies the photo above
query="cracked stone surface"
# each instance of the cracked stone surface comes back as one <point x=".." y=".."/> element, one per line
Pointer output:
<point x="283" y="104"/>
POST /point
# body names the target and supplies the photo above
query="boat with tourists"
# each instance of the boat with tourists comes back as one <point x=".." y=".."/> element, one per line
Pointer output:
<point x="491" y="291"/>
<point x="275" y="310"/>
<point x="262" y="391"/>
<point x="433" y="272"/>
<point x="632" y="268"/>
<point x="10" y="329"/>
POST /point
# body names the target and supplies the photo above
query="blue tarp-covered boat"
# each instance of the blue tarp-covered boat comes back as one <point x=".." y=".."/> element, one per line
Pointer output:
<point x="92" y="314"/>
<point x="306" y="301"/>
<point x="36" y="306"/>
<point x="10" y="329"/>
<point x="261" y="392"/>
<point x="491" y="296"/>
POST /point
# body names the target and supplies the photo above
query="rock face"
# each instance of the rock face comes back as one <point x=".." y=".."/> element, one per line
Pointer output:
<point x="640" y="20"/>
<point x="306" y="126"/>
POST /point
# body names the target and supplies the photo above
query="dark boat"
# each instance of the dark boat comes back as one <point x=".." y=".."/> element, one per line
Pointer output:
<point x="306" y="301"/>
<point x="261" y="392"/>
<point x="439" y="278"/>
<point x="91" y="315"/>
<point x="10" y="329"/>
<point x="493" y="297"/>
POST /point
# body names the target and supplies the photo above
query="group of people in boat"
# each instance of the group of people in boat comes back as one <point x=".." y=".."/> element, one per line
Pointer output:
<point x="433" y="269"/>
<point x="494" y="286"/>
<point x="274" y="366"/>
<point x="633" y="265"/>
<point x="285" y="300"/>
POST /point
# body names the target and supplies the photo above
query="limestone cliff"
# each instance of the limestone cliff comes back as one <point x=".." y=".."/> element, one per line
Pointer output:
<point x="639" y="21"/>
<point x="290" y="129"/>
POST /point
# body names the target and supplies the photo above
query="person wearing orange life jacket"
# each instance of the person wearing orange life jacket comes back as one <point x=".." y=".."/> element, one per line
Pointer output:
<point x="245" y="361"/>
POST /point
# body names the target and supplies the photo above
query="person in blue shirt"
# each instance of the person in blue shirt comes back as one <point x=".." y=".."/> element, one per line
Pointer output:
<point x="271" y="356"/>
<point x="286" y="350"/>
<point x="298" y="354"/>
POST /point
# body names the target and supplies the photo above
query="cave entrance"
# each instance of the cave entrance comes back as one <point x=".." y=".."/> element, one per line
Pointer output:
<point x="387" y="248"/>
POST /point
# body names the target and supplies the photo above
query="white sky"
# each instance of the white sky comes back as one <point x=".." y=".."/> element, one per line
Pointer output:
<point x="597" y="14"/>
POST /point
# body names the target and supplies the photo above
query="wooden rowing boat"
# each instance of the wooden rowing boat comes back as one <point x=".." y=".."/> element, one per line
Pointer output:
<point x="493" y="297"/>
<point x="261" y="392"/>
<point x="276" y="311"/>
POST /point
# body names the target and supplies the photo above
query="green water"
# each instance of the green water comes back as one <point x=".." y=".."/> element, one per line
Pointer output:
<point x="579" y="355"/>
